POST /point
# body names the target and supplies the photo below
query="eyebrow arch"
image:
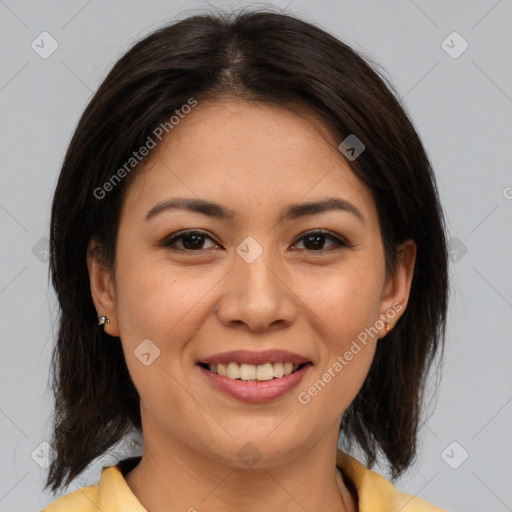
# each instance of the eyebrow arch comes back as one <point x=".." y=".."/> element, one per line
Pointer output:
<point x="292" y="212"/>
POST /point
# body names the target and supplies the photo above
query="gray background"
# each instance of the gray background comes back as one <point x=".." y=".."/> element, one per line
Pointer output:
<point x="462" y="108"/>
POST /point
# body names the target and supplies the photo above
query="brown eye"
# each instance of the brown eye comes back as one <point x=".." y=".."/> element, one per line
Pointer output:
<point x="189" y="240"/>
<point x="194" y="241"/>
<point x="315" y="241"/>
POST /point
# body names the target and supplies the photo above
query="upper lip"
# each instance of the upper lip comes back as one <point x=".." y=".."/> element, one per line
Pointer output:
<point x="256" y="358"/>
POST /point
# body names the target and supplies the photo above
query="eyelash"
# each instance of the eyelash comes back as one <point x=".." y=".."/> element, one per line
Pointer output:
<point x="339" y="242"/>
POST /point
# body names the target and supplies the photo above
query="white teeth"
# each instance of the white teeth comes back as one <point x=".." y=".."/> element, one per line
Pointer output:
<point x="247" y="371"/>
<point x="278" y="369"/>
<point x="233" y="371"/>
<point x="264" y="372"/>
<point x="261" y="372"/>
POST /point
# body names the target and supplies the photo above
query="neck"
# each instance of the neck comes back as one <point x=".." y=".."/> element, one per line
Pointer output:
<point x="194" y="481"/>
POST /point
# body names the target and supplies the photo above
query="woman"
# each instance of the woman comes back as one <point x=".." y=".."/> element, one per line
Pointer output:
<point x="250" y="259"/>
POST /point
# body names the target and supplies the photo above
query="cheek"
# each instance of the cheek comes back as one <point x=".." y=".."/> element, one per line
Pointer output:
<point x="154" y="299"/>
<point x="167" y="306"/>
<point x="346" y="309"/>
<point x="346" y="301"/>
<point x="158" y="313"/>
<point x="346" y="354"/>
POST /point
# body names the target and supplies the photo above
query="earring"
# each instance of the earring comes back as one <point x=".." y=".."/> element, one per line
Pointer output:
<point x="388" y="325"/>
<point x="102" y="320"/>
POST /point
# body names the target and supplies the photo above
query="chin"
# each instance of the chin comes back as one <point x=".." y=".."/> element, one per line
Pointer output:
<point x="265" y="447"/>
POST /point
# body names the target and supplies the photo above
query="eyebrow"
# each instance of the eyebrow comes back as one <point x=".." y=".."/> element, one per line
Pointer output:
<point x="292" y="212"/>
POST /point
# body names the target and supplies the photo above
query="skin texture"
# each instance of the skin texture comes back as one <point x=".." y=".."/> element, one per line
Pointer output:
<point x="255" y="159"/>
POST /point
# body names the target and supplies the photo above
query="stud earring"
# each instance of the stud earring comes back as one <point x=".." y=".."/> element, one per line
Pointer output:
<point x="388" y="325"/>
<point x="102" y="320"/>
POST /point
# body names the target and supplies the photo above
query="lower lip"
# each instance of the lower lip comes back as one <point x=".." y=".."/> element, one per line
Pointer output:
<point x="256" y="391"/>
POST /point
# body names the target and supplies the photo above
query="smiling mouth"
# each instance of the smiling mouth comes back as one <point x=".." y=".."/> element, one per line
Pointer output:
<point x="253" y="373"/>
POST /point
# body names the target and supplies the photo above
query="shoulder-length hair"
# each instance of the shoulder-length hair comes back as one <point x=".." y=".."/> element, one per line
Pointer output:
<point x="277" y="59"/>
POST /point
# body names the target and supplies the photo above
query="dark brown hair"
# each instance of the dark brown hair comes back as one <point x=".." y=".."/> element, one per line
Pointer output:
<point x="277" y="59"/>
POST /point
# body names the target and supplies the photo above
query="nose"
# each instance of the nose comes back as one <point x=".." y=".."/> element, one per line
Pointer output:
<point x="256" y="295"/>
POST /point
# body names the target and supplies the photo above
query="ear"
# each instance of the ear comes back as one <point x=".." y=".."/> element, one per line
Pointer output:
<point x="396" y="291"/>
<point x="102" y="287"/>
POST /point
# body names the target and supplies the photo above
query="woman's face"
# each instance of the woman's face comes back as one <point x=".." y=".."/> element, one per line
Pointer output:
<point x="254" y="280"/>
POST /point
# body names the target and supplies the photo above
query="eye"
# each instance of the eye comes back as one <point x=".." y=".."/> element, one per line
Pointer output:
<point x="315" y="240"/>
<point x="194" y="241"/>
<point x="190" y="241"/>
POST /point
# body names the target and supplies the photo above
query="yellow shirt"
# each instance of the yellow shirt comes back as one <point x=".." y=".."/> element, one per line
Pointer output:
<point x="375" y="493"/>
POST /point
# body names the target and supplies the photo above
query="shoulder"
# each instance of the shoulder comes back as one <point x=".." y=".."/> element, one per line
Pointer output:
<point x="112" y="494"/>
<point x="82" y="500"/>
<point x="376" y="493"/>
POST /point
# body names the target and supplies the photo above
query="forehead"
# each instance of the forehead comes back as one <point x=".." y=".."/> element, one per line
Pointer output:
<point x="248" y="153"/>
